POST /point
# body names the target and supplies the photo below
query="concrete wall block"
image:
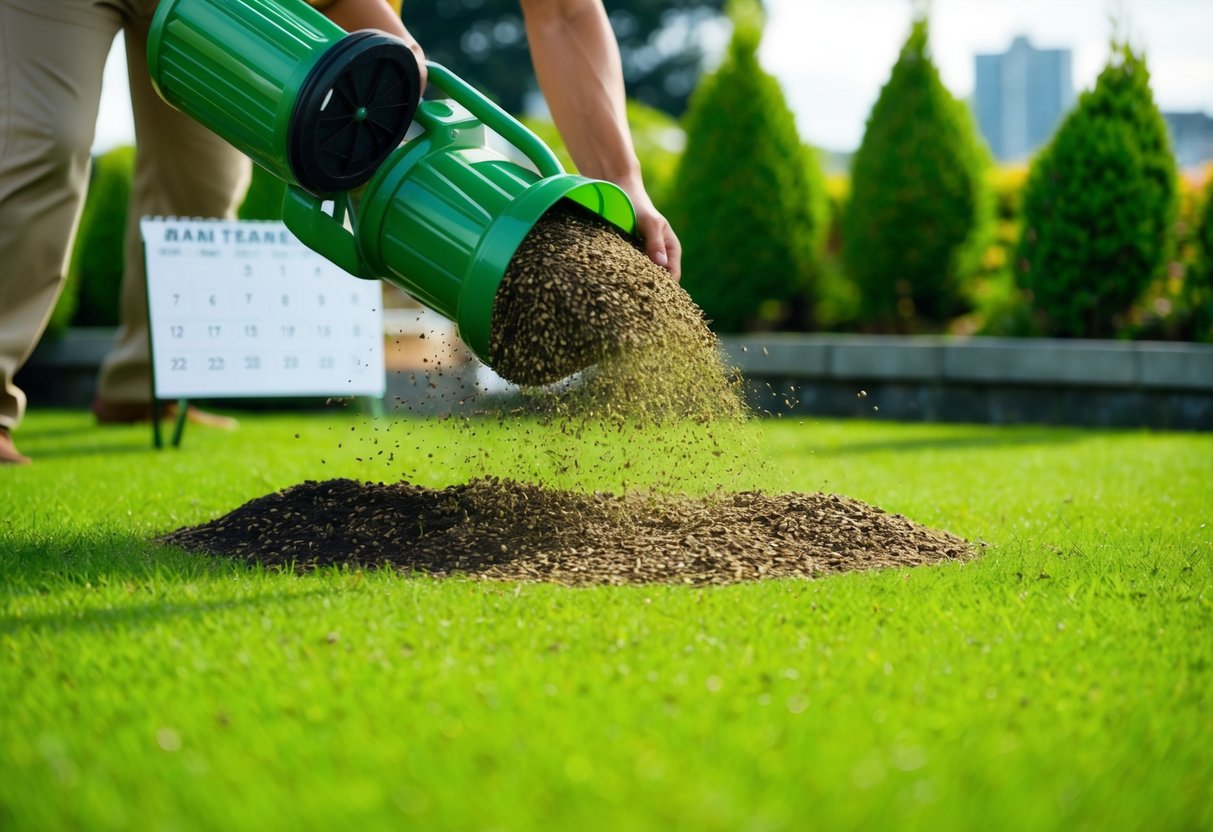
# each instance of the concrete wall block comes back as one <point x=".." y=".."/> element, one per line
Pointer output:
<point x="1175" y="366"/>
<point x="890" y="357"/>
<point x="1041" y="361"/>
<point x="796" y="356"/>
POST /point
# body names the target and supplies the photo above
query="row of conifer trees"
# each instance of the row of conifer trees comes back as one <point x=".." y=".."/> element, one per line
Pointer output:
<point x="1097" y="222"/>
<point x="766" y="247"/>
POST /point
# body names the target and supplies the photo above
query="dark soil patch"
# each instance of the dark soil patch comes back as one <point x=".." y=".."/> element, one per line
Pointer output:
<point x="511" y="531"/>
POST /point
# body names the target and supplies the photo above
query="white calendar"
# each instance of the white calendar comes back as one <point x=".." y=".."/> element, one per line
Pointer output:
<point x="243" y="309"/>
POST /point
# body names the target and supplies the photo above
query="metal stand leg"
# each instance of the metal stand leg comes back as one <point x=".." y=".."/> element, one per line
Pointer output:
<point x="183" y="406"/>
<point x="157" y="439"/>
<point x="372" y="406"/>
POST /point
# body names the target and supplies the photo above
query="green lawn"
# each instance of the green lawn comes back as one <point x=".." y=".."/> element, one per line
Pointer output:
<point x="1060" y="681"/>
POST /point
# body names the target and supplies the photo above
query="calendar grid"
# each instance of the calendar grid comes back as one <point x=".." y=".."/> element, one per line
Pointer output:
<point x="241" y="308"/>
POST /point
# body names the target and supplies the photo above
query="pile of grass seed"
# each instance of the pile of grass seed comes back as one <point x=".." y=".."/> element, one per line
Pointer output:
<point x="507" y="530"/>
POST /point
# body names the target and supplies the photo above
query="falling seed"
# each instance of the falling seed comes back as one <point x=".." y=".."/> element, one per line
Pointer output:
<point x="579" y="293"/>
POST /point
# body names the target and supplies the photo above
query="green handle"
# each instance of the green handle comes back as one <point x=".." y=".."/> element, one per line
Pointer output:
<point x="496" y="119"/>
<point x="304" y="215"/>
<point x="327" y="235"/>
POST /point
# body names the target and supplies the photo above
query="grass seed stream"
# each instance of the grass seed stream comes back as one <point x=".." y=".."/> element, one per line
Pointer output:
<point x="596" y="334"/>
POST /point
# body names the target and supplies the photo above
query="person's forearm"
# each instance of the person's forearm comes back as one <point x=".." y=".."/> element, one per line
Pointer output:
<point x="353" y="15"/>
<point x="579" y="71"/>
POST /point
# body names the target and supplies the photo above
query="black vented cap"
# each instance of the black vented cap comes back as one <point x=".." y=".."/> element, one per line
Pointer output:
<point x="353" y="110"/>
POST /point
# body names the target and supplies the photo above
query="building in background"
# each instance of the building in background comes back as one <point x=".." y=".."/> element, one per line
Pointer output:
<point x="1191" y="138"/>
<point x="1021" y="96"/>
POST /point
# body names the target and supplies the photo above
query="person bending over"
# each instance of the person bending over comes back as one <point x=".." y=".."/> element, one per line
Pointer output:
<point x="50" y="88"/>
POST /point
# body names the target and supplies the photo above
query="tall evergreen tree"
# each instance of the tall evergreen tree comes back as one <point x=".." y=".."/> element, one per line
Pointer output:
<point x="745" y="206"/>
<point x="1200" y="278"/>
<point x="920" y="208"/>
<point x="1100" y="204"/>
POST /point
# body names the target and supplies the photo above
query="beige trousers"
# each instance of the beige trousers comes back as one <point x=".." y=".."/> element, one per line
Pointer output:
<point x="52" y="53"/>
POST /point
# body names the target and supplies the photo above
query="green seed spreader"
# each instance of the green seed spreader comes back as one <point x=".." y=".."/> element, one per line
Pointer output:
<point x="439" y="214"/>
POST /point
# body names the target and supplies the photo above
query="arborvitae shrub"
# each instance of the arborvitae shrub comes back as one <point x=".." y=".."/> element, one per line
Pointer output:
<point x="817" y="200"/>
<point x="747" y="211"/>
<point x="263" y="200"/>
<point x="1100" y="204"/>
<point x="919" y="209"/>
<point x="94" y="275"/>
<point x="1200" y="275"/>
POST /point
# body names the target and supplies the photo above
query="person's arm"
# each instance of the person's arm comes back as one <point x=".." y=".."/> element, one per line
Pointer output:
<point x="353" y="15"/>
<point x="580" y="72"/>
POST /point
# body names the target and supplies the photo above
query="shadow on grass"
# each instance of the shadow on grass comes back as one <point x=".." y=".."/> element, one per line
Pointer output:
<point x="69" y="434"/>
<point x="135" y="567"/>
<point x="83" y="450"/>
<point x="38" y="431"/>
<point x="84" y="438"/>
<point x="47" y="563"/>
<point x="140" y="614"/>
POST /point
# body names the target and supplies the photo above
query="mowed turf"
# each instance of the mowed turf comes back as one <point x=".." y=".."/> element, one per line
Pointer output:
<point x="1060" y="681"/>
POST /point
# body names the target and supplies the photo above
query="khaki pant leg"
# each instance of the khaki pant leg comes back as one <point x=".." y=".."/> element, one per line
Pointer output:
<point x="52" y="53"/>
<point x="181" y="169"/>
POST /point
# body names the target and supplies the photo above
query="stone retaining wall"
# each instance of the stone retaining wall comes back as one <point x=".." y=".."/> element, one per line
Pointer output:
<point x="990" y="380"/>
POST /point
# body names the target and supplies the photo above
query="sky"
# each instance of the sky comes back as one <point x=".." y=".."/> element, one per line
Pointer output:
<point x="833" y="56"/>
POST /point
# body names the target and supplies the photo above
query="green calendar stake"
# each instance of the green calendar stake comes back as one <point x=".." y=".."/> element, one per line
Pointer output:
<point x="157" y="440"/>
<point x="183" y="406"/>
<point x="178" y="425"/>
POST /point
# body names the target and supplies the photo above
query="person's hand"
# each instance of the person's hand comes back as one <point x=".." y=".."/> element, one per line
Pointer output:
<point x="660" y="242"/>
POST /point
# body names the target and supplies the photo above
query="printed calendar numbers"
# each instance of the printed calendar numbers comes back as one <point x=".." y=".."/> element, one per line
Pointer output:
<point x="243" y="309"/>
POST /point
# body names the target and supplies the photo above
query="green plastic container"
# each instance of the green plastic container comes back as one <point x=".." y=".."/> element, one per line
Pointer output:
<point x="317" y="107"/>
<point x="445" y="213"/>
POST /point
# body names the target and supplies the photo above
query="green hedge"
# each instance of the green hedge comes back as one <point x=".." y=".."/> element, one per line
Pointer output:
<point x="749" y="200"/>
<point x="1199" y="279"/>
<point x="919" y="209"/>
<point x="1100" y="204"/>
<point x="94" y="276"/>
